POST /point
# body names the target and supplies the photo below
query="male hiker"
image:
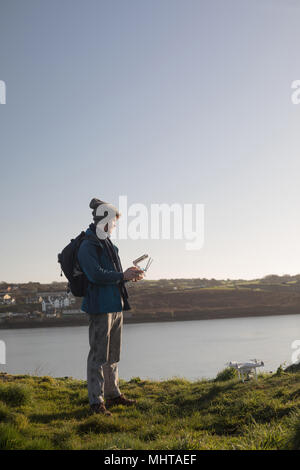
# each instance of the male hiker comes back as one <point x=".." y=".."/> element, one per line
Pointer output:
<point x="105" y="300"/>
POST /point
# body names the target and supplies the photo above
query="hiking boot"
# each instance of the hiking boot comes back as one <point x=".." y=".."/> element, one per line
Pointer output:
<point x="99" y="409"/>
<point x="120" y="400"/>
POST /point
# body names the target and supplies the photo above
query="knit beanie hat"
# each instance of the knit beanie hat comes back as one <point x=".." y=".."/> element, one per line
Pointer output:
<point x="95" y="203"/>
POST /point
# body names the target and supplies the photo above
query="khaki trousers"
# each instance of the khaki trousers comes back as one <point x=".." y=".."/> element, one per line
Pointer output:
<point x="105" y="338"/>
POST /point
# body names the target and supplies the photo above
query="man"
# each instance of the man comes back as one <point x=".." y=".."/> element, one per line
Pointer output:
<point x="105" y="300"/>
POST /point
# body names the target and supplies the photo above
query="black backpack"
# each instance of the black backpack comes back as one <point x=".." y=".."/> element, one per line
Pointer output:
<point x="68" y="261"/>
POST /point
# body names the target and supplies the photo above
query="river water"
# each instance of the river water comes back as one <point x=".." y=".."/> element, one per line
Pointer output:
<point x="191" y="349"/>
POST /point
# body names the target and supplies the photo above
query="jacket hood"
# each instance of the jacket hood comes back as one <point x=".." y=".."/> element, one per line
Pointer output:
<point x="91" y="233"/>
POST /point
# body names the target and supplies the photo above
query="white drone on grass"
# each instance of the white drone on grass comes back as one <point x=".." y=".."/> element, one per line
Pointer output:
<point x="246" y="367"/>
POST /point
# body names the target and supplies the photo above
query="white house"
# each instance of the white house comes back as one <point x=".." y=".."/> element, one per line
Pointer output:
<point x="50" y="303"/>
<point x="8" y="300"/>
<point x="39" y="297"/>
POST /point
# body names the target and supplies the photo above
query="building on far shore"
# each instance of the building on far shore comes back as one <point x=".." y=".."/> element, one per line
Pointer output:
<point x="6" y="299"/>
<point x="51" y="297"/>
<point x="53" y="302"/>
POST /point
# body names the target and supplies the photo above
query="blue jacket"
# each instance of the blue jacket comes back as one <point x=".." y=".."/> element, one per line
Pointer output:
<point x="103" y="294"/>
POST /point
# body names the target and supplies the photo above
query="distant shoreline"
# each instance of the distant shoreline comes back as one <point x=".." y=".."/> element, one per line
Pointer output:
<point x="149" y="318"/>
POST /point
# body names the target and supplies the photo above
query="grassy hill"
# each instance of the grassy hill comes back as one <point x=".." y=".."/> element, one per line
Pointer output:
<point x="178" y="299"/>
<point x="204" y="299"/>
<point x="48" y="413"/>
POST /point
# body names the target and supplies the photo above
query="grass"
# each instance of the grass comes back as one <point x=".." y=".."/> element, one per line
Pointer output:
<point x="223" y="413"/>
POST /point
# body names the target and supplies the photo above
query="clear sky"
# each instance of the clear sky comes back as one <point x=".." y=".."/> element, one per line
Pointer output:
<point x="169" y="101"/>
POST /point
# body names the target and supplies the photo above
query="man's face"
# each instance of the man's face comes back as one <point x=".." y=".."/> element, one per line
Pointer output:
<point x="111" y="225"/>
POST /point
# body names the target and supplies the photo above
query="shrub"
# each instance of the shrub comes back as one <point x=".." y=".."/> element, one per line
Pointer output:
<point x="293" y="367"/>
<point x="280" y="371"/>
<point x="135" y="380"/>
<point x="227" y="374"/>
<point x="48" y="379"/>
<point x="15" y="394"/>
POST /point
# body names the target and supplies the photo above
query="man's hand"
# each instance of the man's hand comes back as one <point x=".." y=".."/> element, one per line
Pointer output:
<point x="140" y="277"/>
<point x="133" y="274"/>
